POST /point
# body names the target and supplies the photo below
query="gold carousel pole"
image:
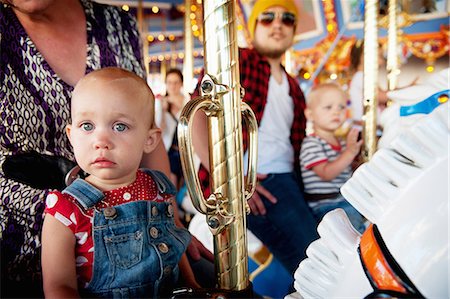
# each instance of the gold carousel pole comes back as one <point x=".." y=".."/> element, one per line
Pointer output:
<point x="226" y="207"/>
<point x="392" y="58"/>
<point x="142" y="31"/>
<point x="370" y="101"/>
<point x="188" y="63"/>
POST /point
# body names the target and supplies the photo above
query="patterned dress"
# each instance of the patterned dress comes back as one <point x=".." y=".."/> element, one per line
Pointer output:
<point x="34" y="109"/>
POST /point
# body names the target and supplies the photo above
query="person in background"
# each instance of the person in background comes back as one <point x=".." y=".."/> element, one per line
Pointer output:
<point x="168" y="110"/>
<point x="106" y="214"/>
<point x="326" y="160"/>
<point x="279" y="216"/>
<point x="357" y="83"/>
<point x="356" y="88"/>
<point x="46" y="47"/>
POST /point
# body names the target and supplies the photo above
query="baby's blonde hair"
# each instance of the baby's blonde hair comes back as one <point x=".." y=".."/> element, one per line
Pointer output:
<point x="317" y="92"/>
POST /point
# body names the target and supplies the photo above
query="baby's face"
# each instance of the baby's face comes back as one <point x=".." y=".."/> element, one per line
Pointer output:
<point x="329" y="111"/>
<point x="110" y="129"/>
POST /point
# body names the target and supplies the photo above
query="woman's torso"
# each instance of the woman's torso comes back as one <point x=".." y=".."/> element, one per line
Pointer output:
<point x="34" y="110"/>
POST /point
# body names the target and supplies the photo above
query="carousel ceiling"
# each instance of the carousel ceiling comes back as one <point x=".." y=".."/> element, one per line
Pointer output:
<point x="423" y="29"/>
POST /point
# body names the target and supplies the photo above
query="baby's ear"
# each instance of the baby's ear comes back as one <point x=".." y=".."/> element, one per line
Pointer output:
<point x="153" y="139"/>
<point x="69" y="131"/>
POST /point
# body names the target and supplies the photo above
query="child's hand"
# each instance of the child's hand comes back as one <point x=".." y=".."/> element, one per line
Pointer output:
<point x="353" y="145"/>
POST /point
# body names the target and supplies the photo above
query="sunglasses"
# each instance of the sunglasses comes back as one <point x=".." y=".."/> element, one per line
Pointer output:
<point x="384" y="273"/>
<point x="287" y="18"/>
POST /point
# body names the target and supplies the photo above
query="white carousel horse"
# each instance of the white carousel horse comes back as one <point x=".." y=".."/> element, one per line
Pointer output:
<point x="403" y="192"/>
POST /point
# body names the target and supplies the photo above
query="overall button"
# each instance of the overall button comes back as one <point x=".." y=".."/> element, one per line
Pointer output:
<point x="167" y="270"/>
<point x="163" y="247"/>
<point x="154" y="232"/>
<point x="110" y="212"/>
<point x="154" y="211"/>
<point x="170" y="210"/>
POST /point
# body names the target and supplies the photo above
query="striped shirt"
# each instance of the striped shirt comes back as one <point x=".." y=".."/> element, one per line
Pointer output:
<point x="315" y="151"/>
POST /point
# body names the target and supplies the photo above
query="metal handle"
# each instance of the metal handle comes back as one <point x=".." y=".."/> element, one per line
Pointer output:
<point x="248" y="116"/>
<point x="187" y="152"/>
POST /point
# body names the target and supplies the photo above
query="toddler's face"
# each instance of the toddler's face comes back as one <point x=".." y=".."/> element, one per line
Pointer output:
<point x="329" y="111"/>
<point x="110" y="130"/>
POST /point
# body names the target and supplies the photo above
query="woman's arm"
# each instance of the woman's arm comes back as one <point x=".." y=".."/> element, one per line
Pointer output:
<point x="58" y="260"/>
<point x="186" y="272"/>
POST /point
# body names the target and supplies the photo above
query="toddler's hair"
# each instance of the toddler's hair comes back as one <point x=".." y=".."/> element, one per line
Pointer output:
<point x="318" y="90"/>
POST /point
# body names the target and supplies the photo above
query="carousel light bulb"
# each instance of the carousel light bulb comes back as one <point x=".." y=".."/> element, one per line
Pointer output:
<point x="155" y="9"/>
<point x="161" y="37"/>
<point x="307" y="76"/>
<point x="125" y="7"/>
<point x="430" y="68"/>
<point x="333" y="76"/>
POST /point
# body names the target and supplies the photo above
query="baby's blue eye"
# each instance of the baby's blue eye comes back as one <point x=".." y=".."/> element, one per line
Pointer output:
<point x="120" y="127"/>
<point x="87" y="127"/>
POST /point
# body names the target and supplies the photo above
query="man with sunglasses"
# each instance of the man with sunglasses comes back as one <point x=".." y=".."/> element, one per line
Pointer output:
<point x="279" y="215"/>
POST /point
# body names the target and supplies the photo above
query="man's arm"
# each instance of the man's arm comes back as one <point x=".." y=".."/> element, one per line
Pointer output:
<point x="186" y="272"/>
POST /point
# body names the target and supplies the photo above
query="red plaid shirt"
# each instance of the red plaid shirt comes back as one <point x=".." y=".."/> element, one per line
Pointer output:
<point x="254" y="76"/>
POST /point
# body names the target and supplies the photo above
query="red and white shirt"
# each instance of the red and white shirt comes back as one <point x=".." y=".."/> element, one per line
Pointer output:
<point x="315" y="151"/>
<point x="64" y="208"/>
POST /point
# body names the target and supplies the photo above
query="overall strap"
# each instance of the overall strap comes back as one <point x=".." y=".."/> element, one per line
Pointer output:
<point x="85" y="194"/>
<point x="162" y="181"/>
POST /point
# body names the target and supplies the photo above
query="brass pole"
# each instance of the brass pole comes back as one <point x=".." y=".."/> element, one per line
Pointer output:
<point x="188" y="62"/>
<point x="173" y="59"/>
<point x="221" y="101"/>
<point x="143" y="33"/>
<point x="163" y="48"/>
<point x="370" y="101"/>
<point x="225" y="143"/>
<point x="288" y="65"/>
<point x="392" y="59"/>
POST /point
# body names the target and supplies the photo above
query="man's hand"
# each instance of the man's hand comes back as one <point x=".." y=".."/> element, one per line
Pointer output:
<point x="255" y="202"/>
<point x="196" y="250"/>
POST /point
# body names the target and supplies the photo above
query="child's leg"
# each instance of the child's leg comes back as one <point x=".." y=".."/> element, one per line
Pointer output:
<point x="320" y="209"/>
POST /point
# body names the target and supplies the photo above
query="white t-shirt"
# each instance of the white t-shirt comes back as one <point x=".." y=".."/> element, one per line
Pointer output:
<point x="356" y="92"/>
<point x="170" y="125"/>
<point x="356" y="95"/>
<point x="275" y="151"/>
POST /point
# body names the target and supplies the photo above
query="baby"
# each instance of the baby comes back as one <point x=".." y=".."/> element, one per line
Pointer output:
<point x="325" y="160"/>
<point x="112" y="234"/>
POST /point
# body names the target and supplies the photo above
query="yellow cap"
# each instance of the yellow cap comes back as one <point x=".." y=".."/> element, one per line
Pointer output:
<point x="261" y="5"/>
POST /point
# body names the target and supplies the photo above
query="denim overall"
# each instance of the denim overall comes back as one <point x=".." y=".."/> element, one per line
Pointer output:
<point x="137" y="245"/>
